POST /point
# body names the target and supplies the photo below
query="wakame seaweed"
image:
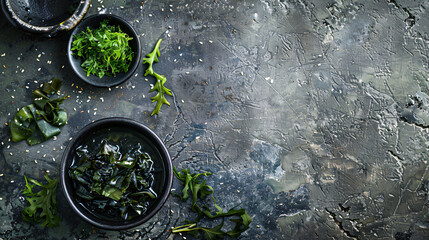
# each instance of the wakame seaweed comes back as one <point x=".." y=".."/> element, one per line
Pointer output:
<point x="43" y="119"/>
<point x="113" y="183"/>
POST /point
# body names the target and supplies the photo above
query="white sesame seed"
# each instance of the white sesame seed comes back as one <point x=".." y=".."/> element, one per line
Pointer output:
<point x="201" y="43"/>
<point x="1" y="174"/>
<point x="53" y="159"/>
<point x="11" y="154"/>
<point x="183" y="101"/>
<point x="12" y="96"/>
<point x="210" y="41"/>
<point x="55" y="138"/>
<point x="170" y="27"/>
<point x="187" y="72"/>
<point x="201" y="60"/>
<point x="27" y="151"/>
<point x="178" y="48"/>
<point x="35" y="161"/>
<point x="44" y="155"/>
<point x="150" y="15"/>
<point x="12" y="181"/>
<point x="1" y="199"/>
<point x="8" y="146"/>
<point x="102" y="99"/>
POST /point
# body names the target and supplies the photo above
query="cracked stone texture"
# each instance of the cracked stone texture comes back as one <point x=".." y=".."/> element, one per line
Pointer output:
<point x="313" y="115"/>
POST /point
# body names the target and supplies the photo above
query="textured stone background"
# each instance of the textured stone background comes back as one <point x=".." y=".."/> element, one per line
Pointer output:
<point x="313" y="115"/>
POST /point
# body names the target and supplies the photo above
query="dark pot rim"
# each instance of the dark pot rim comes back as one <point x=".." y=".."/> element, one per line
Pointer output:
<point x="123" y="122"/>
<point x="45" y="31"/>
<point x="105" y="81"/>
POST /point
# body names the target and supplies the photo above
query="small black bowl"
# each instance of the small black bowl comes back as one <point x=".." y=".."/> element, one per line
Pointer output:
<point x="106" y="81"/>
<point x="163" y="177"/>
<point x="47" y="18"/>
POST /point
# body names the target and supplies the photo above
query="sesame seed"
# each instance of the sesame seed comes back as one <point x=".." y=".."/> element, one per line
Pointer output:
<point x="44" y="155"/>
<point x="201" y="43"/>
<point x="11" y="154"/>
<point x="1" y="199"/>
<point x="1" y="174"/>
<point x="53" y="159"/>
<point x="12" y="181"/>
<point x="27" y="151"/>
<point x="210" y="41"/>
<point x="35" y="161"/>
<point x="201" y="60"/>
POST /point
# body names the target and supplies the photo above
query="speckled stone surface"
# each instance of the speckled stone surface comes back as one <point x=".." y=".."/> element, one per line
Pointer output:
<point x="313" y="115"/>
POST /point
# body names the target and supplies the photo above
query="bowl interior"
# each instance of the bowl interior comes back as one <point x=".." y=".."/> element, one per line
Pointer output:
<point x="91" y="135"/>
<point x="44" y="12"/>
<point x="105" y="81"/>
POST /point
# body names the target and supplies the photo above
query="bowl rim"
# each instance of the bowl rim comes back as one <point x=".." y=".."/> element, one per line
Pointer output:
<point x="126" y="75"/>
<point x="165" y="156"/>
<point x="45" y="31"/>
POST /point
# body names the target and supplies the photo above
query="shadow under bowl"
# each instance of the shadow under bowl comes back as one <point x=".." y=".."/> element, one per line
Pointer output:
<point x="45" y="17"/>
<point x="106" y="81"/>
<point x="150" y="142"/>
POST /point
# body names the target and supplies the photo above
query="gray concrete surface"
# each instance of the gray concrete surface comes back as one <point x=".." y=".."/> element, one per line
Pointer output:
<point x="313" y="115"/>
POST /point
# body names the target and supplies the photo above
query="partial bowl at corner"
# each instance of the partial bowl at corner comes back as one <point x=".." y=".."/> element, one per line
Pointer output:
<point x="113" y="128"/>
<point x="106" y="81"/>
<point x="47" y="18"/>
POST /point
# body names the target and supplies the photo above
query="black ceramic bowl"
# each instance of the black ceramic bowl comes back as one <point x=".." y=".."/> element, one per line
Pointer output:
<point x="45" y="17"/>
<point x="106" y="81"/>
<point x="163" y="175"/>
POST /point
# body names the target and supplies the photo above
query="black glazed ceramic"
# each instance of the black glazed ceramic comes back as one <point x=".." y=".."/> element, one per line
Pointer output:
<point x="45" y="17"/>
<point x="85" y="135"/>
<point x="106" y="81"/>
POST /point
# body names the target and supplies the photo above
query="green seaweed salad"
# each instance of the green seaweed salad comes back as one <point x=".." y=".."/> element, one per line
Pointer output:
<point x="105" y="51"/>
<point x="113" y="182"/>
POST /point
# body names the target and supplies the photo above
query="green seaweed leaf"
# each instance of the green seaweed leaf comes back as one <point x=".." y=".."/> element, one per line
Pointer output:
<point x="199" y="190"/>
<point x="41" y="120"/>
<point x="159" y="98"/>
<point x="43" y="204"/>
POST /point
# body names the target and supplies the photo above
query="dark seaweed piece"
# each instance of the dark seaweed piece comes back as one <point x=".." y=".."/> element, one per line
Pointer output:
<point x="41" y="120"/>
<point x="120" y="182"/>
